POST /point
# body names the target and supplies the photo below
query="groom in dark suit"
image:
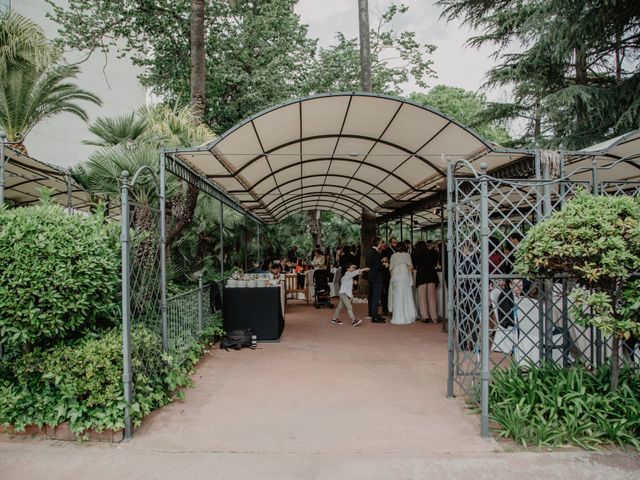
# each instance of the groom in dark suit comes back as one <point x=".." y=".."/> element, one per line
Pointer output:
<point x="375" y="277"/>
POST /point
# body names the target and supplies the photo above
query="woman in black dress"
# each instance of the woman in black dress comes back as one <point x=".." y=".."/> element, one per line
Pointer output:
<point x="425" y="260"/>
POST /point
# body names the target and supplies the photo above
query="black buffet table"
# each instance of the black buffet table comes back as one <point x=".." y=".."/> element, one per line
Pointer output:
<point x="256" y="308"/>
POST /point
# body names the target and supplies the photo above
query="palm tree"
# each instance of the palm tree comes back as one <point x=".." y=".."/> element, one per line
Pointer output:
<point x="131" y="141"/>
<point x="23" y="44"/>
<point x="32" y="94"/>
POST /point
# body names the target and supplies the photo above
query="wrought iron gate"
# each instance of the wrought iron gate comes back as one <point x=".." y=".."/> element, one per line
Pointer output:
<point x="497" y="317"/>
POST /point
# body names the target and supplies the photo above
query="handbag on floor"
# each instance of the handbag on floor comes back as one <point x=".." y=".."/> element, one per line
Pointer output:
<point x="238" y="339"/>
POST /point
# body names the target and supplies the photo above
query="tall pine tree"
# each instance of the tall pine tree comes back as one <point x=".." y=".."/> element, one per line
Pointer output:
<point x="577" y="77"/>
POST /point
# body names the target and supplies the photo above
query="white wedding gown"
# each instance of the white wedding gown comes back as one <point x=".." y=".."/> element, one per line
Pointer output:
<point x="401" y="289"/>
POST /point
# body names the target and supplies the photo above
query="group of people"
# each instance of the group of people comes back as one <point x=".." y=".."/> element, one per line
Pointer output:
<point x="393" y="271"/>
<point x="390" y="273"/>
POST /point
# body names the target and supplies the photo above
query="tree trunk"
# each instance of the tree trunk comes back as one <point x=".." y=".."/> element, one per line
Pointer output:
<point x="197" y="59"/>
<point x="198" y="69"/>
<point x="615" y="363"/>
<point x="537" y="125"/>
<point x="315" y="226"/>
<point x="18" y="147"/>
<point x="367" y="232"/>
<point x="365" y="46"/>
<point x="581" y="79"/>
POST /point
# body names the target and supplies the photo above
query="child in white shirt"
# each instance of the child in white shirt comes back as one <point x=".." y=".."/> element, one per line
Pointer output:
<point x="346" y="294"/>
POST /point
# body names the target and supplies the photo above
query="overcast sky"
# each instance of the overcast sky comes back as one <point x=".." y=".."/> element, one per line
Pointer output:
<point x="456" y="64"/>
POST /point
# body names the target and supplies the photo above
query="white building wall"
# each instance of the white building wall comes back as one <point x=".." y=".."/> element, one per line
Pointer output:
<point x="59" y="140"/>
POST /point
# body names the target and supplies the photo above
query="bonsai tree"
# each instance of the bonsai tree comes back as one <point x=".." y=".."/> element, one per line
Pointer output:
<point x="596" y="241"/>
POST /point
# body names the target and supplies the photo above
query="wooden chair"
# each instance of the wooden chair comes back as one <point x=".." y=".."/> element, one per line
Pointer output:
<point x="293" y="288"/>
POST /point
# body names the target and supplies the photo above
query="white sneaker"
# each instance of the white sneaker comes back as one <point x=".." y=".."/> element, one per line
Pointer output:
<point x="356" y="322"/>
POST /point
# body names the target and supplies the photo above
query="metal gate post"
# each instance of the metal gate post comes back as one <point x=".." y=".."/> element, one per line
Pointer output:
<point x="69" y="198"/>
<point x="126" y="306"/>
<point x="541" y="284"/>
<point x="221" y="251"/>
<point x="246" y="244"/>
<point x="443" y="288"/>
<point x="595" y="190"/>
<point x="200" y="292"/>
<point x="547" y="210"/>
<point x="163" y="255"/>
<point x="259" y="259"/>
<point x="3" y="136"/>
<point x="484" y="301"/>
<point x="449" y="273"/>
<point x="411" y="229"/>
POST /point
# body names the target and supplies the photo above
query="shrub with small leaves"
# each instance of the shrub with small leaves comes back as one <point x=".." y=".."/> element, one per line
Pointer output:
<point x="59" y="275"/>
<point x="82" y="383"/>
<point x="596" y="241"/>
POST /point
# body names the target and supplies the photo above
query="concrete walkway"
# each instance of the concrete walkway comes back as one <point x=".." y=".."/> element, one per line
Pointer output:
<point x="328" y="401"/>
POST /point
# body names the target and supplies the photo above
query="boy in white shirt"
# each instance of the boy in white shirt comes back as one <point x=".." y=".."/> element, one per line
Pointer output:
<point x="346" y="294"/>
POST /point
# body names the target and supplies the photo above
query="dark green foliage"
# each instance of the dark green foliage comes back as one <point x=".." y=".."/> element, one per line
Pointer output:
<point x="575" y="82"/>
<point x="258" y="53"/>
<point x="82" y="383"/>
<point x="548" y="406"/>
<point x="596" y="241"/>
<point x="60" y="275"/>
<point x="337" y="68"/>
<point x="467" y="108"/>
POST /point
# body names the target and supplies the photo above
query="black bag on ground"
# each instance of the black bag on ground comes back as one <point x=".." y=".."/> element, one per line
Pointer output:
<point x="238" y="339"/>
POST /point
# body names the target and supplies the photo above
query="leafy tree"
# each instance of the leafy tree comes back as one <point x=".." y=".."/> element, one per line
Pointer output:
<point x="256" y="51"/>
<point x="466" y="107"/>
<point x="577" y="78"/>
<point x="596" y="240"/>
<point x="396" y="57"/>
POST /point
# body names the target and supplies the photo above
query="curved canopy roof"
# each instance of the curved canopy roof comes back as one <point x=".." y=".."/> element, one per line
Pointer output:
<point x="618" y="159"/>
<point x="339" y="152"/>
<point x="26" y="176"/>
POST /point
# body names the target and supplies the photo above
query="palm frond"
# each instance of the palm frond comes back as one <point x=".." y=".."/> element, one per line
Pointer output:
<point x="23" y="44"/>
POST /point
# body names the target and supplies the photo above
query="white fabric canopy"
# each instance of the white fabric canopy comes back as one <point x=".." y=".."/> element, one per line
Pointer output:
<point x="618" y="159"/>
<point x="339" y="152"/>
<point x="26" y="176"/>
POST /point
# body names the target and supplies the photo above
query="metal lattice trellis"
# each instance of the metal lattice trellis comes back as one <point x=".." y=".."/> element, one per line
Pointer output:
<point x="497" y="317"/>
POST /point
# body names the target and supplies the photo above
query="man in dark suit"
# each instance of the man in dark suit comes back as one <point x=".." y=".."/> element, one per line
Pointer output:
<point x="375" y="277"/>
<point x="386" y="252"/>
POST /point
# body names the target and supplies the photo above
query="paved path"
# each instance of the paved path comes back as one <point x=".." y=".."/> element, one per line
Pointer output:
<point x="327" y="401"/>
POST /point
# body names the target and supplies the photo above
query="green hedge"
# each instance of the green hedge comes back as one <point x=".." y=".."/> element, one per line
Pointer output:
<point x="549" y="406"/>
<point x="60" y="275"/>
<point x="82" y="383"/>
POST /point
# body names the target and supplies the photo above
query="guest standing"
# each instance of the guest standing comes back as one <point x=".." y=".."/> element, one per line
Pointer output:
<point x="426" y="280"/>
<point x="375" y="277"/>
<point x="401" y="288"/>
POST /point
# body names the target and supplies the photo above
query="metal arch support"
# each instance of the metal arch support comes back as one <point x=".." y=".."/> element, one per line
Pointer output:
<point x="2" y="166"/>
<point x="322" y="159"/>
<point x="325" y="176"/>
<point x="404" y="150"/>
<point x="182" y="171"/>
<point x="163" y="251"/>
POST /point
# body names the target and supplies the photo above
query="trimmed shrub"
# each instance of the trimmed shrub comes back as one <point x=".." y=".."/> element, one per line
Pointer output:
<point x="59" y="275"/>
<point x="82" y="383"/>
<point x="595" y="240"/>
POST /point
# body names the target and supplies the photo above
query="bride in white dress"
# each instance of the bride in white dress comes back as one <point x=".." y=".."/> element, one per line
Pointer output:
<point x="400" y="289"/>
